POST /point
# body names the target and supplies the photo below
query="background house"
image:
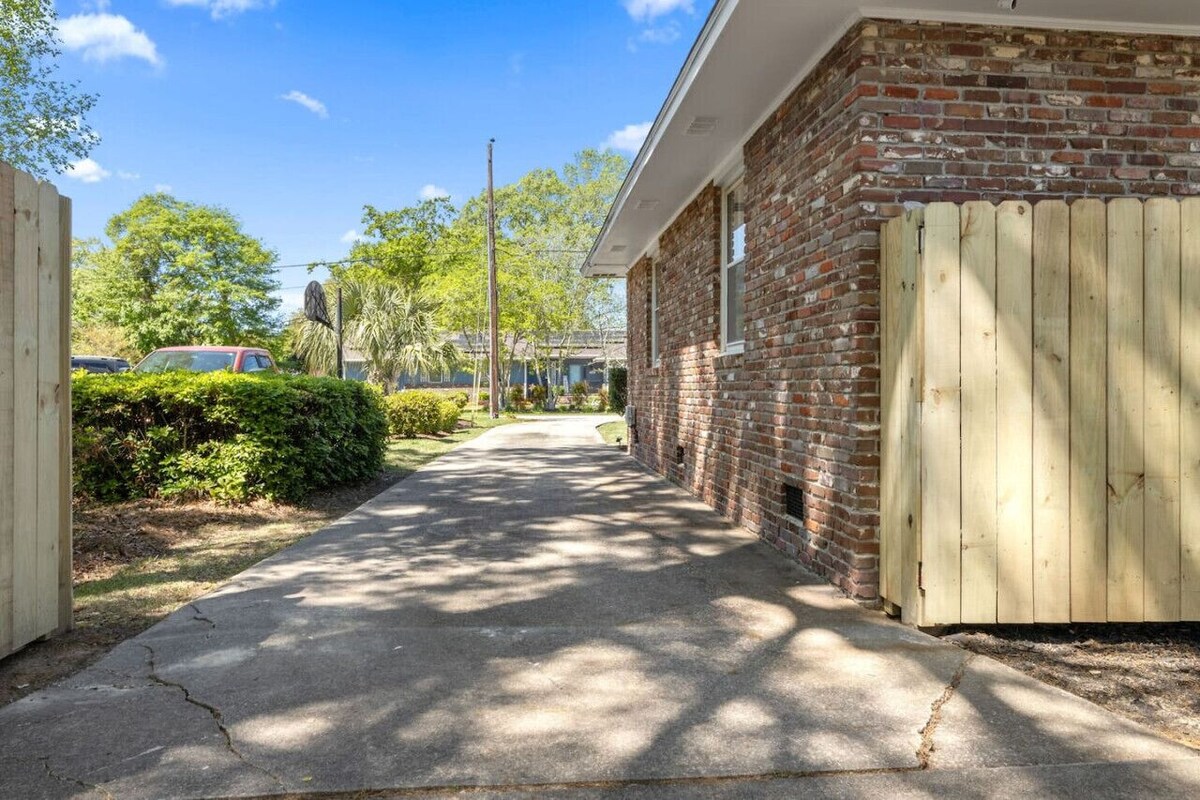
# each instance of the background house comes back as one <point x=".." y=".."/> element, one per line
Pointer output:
<point x="748" y="227"/>
<point x="580" y="356"/>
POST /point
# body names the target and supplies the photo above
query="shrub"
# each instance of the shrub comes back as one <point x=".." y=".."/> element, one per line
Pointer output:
<point x="516" y="398"/>
<point x="579" y="391"/>
<point x="448" y="411"/>
<point x="602" y="400"/>
<point x="484" y="398"/>
<point x="618" y="392"/>
<point x="460" y="399"/>
<point x="414" y="413"/>
<point x="537" y="396"/>
<point x="222" y="436"/>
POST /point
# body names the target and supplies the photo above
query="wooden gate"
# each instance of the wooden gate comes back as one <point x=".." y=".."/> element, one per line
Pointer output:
<point x="1041" y="412"/>
<point x="35" y="410"/>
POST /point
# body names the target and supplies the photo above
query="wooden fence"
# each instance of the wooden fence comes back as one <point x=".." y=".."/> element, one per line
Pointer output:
<point x="35" y="410"/>
<point x="1041" y="412"/>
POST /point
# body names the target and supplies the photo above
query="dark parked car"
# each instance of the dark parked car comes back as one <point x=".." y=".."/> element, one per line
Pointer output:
<point x="207" y="359"/>
<point x="102" y="364"/>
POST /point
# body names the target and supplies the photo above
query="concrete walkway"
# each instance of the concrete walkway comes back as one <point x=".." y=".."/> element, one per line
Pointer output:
<point x="534" y="614"/>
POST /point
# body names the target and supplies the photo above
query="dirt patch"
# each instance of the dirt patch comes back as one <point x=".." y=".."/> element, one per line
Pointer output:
<point x="136" y="562"/>
<point x="1148" y="673"/>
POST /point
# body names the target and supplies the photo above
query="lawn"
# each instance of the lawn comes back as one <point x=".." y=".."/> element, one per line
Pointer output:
<point x="138" y="561"/>
<point x="616" y="432"/>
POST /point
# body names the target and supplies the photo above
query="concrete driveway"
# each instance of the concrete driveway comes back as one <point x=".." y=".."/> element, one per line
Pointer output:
<point x="536" y="615"/>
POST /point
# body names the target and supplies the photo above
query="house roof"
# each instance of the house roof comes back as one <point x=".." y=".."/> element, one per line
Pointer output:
<point x="751" y="54"/>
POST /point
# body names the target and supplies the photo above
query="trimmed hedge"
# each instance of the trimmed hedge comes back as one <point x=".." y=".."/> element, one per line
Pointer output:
<point x="420" y="413"/>
<point x="223" y="436"/>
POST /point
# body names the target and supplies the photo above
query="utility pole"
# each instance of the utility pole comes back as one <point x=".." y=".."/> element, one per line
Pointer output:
<point x="493" y="298"/>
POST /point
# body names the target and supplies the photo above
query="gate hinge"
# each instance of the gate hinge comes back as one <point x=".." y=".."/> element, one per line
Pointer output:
<point x="921" y="575"/>
<point x="921" y="239"/>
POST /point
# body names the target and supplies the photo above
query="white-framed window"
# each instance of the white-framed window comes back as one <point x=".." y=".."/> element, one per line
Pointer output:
<point x="654" y="357"/>
<point x="733" y="266"/>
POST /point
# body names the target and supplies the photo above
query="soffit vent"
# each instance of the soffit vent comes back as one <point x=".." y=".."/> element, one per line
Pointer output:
<point x="701" y="126"/>
<point x="618" y="248"/>
<point x="647" y="205"/>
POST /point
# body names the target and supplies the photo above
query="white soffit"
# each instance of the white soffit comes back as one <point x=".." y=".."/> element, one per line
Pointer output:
<point x="752" y="53"/>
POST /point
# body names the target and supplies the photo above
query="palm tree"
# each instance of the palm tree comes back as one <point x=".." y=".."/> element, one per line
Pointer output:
<point x="393" y="327"/>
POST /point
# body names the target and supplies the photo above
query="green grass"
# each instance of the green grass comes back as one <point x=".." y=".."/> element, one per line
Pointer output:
<point x="406" y="456"/>
<point x="616" y="432"/>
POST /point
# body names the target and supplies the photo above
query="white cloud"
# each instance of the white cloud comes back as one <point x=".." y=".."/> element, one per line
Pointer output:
<point x="646" y="10"/>
<point x="311" y="103"/>
<point x="163" y="188"/>
<point x="351" y="236"/>
<point x="431" y="192"/>
<point x="663" y="34"/>
<point x="127" y="176"/>
<point x="629" y="138"/>
<point x="220" y="9"/>
<point x="106" y="37"/>
<point x="87" y="171"/>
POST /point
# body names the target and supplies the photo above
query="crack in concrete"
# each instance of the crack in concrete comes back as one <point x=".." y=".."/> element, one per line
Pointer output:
<point x="925" y="749"/>
<point x="198" y="616"/>
<point x="74" y="781"/>
<point x="213" y="712"/>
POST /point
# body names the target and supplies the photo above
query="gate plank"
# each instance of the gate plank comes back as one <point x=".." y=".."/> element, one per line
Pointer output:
<point x="49" y="408"/>
<point x="1051" y="412"/>
<point x="1189" y="385"/>
<point x="66" y="618"/>
<point x="1089" y="440"/>
<point x="7" y="270"/>
<point x="25" y="397"/>
<point x="910" y="391"/>
<point x="978" y="248"/>
<point x="891" y="416"/>
<point x="1161" y="364"/>
<point x="941" y="543"/>
<point x="1126" y="399"/>
<point x="1014" y="412"/>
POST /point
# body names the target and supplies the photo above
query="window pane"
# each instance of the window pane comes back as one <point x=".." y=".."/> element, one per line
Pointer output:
<point x="735" y="223"/>
<point x="735" y="287"/>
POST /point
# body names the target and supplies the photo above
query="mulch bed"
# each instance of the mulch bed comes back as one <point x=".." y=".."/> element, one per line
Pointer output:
<point x="1147" y="672"/>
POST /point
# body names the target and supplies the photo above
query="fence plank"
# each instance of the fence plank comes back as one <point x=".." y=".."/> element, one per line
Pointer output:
<point x="25" y="379"/>
<point x="1014" y="411"/>
<point x="891" y="463"/>
<point x="49" y="407"/>
<point x="1051" y="412"/>
<point x="979" y="524"/>
<point x="1189" y="490"/>
<point x="1089" y="440"/>
<point x="1161" y="428"/>
<point x="7" y="287"/>
<point x="911" y="309"/>
<point x="1126" y="397"/>
<point x="65" y="566"/>
<point x="941" y="535"/>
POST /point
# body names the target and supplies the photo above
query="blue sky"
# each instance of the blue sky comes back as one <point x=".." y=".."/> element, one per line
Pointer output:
<point x="294" y="113"/>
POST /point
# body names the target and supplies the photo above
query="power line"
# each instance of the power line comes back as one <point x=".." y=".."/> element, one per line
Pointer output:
<point x="501" y="245"/>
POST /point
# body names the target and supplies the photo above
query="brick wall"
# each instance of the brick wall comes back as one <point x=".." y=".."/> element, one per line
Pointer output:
<point x="895" y="113"/>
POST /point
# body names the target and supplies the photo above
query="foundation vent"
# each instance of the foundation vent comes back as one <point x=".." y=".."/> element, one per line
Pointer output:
<point x="793" y="502"/>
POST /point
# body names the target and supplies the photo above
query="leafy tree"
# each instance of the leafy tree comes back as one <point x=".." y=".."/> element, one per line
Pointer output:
<point x="399" y="245"/>
<point x="178" y="273"/>
<point x="394" y="327"/>
<point x="42" y="127"/>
